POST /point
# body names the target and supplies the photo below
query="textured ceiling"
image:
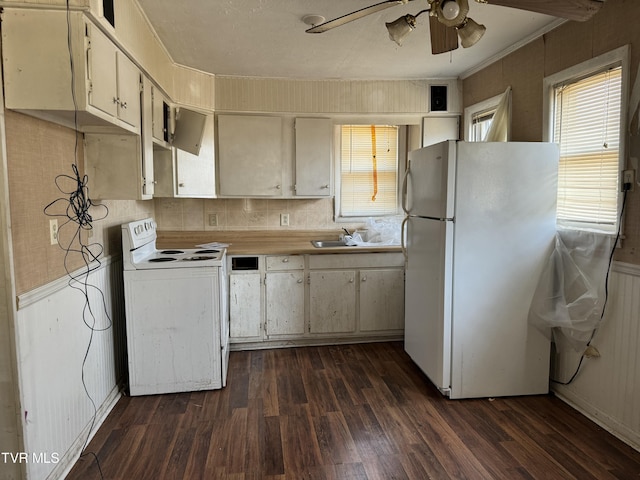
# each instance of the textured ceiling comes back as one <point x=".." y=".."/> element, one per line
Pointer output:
<point x="266" y="38"/>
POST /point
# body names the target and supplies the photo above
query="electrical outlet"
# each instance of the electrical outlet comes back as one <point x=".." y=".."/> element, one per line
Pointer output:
<point x="213" y="219"/>
<point x="284" y="219"/>
<point x="53" y="231"/>
<point x="628" y="179"/>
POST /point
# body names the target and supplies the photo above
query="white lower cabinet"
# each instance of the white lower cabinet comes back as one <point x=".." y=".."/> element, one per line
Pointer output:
<point x="358" y="296"/>
<point x="381" y="299"/>
<point x="332" y="301"/>
<point x="245" y="298"/>
<point x="245" y="307"/>
<point x="285" y="303"/>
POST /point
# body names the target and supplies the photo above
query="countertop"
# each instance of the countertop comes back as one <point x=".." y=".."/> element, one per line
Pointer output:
<point x="264" y="242"/>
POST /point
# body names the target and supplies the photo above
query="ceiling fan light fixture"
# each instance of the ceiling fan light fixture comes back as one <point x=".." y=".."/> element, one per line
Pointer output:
<point x="470" y="32"/>
<point x="452" y="12"/>
<point x="400" y="28"/>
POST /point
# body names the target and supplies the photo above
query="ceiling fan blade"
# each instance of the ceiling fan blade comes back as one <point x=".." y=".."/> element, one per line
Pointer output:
<point x="579" y="10"/>
<point x="350" y="17"/>
<point x="443" y="38"/>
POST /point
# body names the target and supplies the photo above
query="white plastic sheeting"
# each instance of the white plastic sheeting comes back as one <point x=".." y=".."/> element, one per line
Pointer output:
<point x="570" y="296"/>
<point x="381" y="231"/>
<point x="499" y="129"/>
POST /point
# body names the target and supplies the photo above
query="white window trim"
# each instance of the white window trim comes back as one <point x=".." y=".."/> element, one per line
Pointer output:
<point x="617" y="57"/>
<point x="470" y="111"/>
<point x="403" y="134"/>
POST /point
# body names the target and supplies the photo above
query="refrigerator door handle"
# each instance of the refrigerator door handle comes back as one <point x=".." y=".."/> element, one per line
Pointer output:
<point x="403" y="244"/>
<point x="405" y="207"/>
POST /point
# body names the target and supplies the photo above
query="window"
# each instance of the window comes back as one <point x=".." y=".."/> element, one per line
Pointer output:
<point x="490" y="120"/>
<point x="586" y="119"/>
<point x="368" y="170"/>
<point x="480" y="124"/>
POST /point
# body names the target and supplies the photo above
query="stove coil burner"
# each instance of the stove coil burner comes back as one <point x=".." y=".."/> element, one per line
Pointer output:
<point x="198" y="258"/>
<point x="162" y="259"/>
<point x="171" y="252"/>
<point x="208" y="251"/>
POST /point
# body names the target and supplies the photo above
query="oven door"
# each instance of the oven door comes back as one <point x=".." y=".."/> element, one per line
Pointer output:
<point x="173" y="329"/>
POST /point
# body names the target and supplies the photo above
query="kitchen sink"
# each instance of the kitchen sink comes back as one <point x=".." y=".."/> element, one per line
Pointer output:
<point x="328" y="243"/>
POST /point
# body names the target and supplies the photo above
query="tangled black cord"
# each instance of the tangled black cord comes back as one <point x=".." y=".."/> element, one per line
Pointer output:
<point x="75" y="208"/>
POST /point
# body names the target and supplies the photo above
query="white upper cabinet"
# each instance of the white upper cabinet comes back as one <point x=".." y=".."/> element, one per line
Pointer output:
<point x="195" y="174"/>
<point x="250" y="159"/>
<point x="38" y="49"/>
<point x="313" y="152"/>
<point x="182" y="174"/>
<point x="113" y="79"/>
<point x="274" y="156"/>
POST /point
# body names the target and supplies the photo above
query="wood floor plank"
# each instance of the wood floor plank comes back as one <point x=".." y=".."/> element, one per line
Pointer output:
<point x="338" y="412"/>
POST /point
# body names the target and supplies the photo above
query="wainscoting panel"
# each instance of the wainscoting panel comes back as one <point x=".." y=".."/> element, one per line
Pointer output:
<point x="607" y="388"/>
<point x="54" y="339"/>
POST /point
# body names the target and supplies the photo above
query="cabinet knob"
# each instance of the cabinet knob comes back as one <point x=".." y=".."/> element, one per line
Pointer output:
<point x="351" y="280"/>
<point x="364" y="279"/>
<point x="123" y="104"/>
<point x="181" y="184"/>
<point x="299" y="280"/>
<point x="116" y="100"/>
<point x="285" y="260"/>
<point x="324" y="186"/>
<point x="278" y="187"/>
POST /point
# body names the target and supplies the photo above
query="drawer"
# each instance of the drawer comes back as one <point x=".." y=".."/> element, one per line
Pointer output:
<point x="356" y="260"/>
<point x="285" y="262"/>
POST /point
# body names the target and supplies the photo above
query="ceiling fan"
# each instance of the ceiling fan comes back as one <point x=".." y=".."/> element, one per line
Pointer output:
<point x="448" y="19"/>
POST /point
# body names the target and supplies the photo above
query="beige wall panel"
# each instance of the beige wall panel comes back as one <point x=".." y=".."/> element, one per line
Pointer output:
<point x="568" y="45"/>
<point x="136" y="35"/>
<point x="484" y="84"/>
<point x="191" y="87"/>
<point x="236" y="94"/>
<point x="525" y="67"/>
<point x="37" y="152"/>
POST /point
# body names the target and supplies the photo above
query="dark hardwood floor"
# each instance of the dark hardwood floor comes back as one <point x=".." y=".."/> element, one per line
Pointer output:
<point x="347" y="412"/>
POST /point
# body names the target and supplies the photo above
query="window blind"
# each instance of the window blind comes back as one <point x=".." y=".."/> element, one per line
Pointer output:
<point x="481" y="123"/>
<point x="587" y="129"/>
<point x="369" y="173"/>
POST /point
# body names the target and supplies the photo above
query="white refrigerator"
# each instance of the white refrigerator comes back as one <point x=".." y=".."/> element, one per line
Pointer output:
<point x="479" y="227"/>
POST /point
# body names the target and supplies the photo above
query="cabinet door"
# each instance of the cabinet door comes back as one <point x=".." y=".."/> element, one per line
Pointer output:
<point x="332" y="301"/>
<point x="195" y="174"/>
<point x="250" y="155"/>
<point x="102" y="72"/>
<point x="160" y="113"/>
<point x="148" y="180"/>
<point x="114" y="166"/>
<point x="245" y="307"/>
<point x="313" y="156"/>
<point x="285" y="303"/>
<point x="381" y="299"/>
<point x="128" y="90"/>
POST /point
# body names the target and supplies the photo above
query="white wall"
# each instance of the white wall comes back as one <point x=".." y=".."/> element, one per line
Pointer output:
<point x="52" y="341"/>
<point x="607" y="389"/>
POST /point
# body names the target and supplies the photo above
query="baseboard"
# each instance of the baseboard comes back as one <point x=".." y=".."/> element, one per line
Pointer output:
<point x="71" y="456"/>
<point x="311" y="342"/>
<point x="611" y="425"/>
